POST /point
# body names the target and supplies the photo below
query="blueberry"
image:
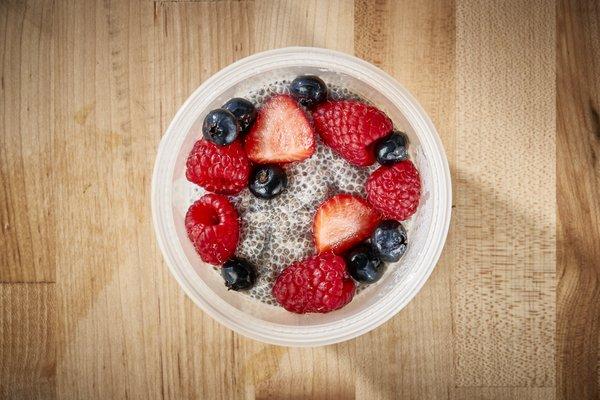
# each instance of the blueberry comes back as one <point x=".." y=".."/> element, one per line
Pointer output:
<point x="308" y="90"/>
<point x="267" y="181"/>
<point x="238" y="274"/>
<point x="363" y="264"/>
<point x="389" y="240"/>
<point x="392" y="149"/>
<point x="243" y="110"/>
<point x="220" y="127"/>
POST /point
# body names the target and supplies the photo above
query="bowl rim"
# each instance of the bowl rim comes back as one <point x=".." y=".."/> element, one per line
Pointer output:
<point x="313" y="335"/>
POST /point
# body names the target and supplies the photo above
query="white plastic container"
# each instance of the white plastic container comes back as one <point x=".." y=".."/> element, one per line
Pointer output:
<point x="373" y="306"/>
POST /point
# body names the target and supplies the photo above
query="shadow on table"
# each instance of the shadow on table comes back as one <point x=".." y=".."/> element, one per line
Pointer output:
<point x="401" y="361"/>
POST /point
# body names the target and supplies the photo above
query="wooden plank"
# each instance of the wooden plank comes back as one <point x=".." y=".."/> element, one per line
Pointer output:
<point x="410" y="357"/>
<point x="578" y="191"/>
<point x="26" y="114"/>
<point x="272" y="372"/>
<point x="504" y="278"/>
<point x="106" y="133"/>
<point x="318" y="23"/>
<point x="198" y="355"/>
<point x="233" y="366"/>
<point x="107" y="77"/>
<point x="27" y="341"/>
<point x="502" y="393"/>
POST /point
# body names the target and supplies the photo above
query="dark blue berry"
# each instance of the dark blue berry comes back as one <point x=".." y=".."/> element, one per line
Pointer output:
<point x="267" y="181"/>
<point x="308" y="90"/>
<point x="243" y="110"/>
<point x="238" y="274"/>
<point x="220" y="127"/>
<point x="389" y="240"/>
<point x="392" y="149"/>
<point x="363" y="264"/>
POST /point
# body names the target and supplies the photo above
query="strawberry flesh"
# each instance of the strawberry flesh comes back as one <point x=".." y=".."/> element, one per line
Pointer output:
<point x="281" y="133"/>
<point x="343" y="221"/>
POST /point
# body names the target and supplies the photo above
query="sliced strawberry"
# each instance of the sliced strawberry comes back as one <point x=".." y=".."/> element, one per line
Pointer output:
<point x="281" y="133"/>
<point x="343" y="221"/>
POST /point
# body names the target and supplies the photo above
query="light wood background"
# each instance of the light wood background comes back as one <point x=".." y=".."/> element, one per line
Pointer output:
<point x="88" y="309"/>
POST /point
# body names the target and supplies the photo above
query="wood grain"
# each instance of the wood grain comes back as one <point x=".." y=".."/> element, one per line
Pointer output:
<point x="319" y="23"/>
<point x="87" y="90"/>
<point x="233" y="366"/>
<point x="578" y="191"/>
<point x="502" y="393"/>
<point x="420" y="55"/>
<point x="106" y="132"/>
<point x="504" y="277"/>
<point x="26" y="114"/>
<point x="27" y="341"/>
<point x="198" y="356"/>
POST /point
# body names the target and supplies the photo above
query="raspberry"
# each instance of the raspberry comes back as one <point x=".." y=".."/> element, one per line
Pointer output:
<point x="317" y="284"/>
<point x="350" y="128"/>
<point x="395" y="190"/>
<point x="218" y="169"/>
<point x="213" y="227"/>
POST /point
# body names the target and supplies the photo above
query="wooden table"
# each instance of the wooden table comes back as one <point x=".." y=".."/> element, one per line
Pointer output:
<point x="88" y="309"/>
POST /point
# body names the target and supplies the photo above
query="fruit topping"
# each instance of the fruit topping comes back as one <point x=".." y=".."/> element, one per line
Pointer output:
<point x="220" y="127"/>
<point x="395" y="190"/>
<point x="318" y="284"/>
<point x="351" y="128"/>
<point x="238" y="274"/>
<point x="213" y="227"/>
<point x="364" y="265"/>
<point x="218" y="169"/>
<point x="389" y="240"/>
<point x="281" y="133"/>
<point x="343" y="221"/>
<point x="309" y="90"/>
<point x="267" y="181"/>
<point x="392" y="149"/>
<point x="243" y="110"/>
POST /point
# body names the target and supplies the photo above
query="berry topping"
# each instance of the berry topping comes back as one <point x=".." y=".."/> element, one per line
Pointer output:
<point x="392" y="149"/>
<point x="281" y="133"/>
<point x="218" y="169"/>
<point x="317" y="284"/>
<point x="243" y="110"/>
<point x="395" y="190"/>
<point x="364" y="265"/>
<point x="309" y="90"/>
<point x="351" y="128"/>
<point x="238" y="274"/>
<point x="220" y="127"/>
<point x="212" y="226"/>
<point x="343" y="221"/>
<point x="389" y="240"/>
<point x="267" y="181"/>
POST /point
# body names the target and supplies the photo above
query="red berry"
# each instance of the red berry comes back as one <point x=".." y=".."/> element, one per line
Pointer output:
<point x="317" y="284"/>
<point x="218" y="169"/>
<point x="343" y="221"/>
<point x="395" y="190"/>
<point x="351" y="128"/>
<point x="212" y="225"/>
<point x="281" y="133"/>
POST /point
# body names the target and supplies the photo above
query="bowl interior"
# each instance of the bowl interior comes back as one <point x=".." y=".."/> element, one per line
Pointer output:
<point x="266" y="322"/>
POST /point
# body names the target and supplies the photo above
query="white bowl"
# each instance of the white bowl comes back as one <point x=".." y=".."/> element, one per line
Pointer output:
<point x="373" y="306"/>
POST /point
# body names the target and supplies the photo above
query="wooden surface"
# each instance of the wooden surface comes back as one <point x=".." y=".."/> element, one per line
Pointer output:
<point x="88" y="310"/>
<point x="578" y="194"/>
